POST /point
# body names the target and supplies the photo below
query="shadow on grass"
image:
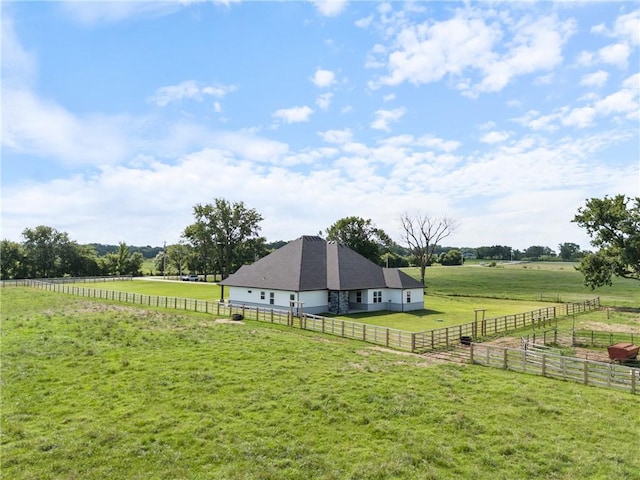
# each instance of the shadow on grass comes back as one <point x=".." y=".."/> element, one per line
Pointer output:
<point x="385" y="313"/>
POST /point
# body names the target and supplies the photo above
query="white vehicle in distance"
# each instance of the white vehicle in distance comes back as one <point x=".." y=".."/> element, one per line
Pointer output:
<point x="190" y="278"/>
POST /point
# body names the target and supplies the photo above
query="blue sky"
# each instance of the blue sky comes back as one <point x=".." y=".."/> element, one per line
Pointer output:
<point x="117" y="118"/>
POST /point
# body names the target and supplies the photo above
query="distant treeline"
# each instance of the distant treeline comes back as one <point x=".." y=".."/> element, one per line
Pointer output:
<point x="147" y="251"/>
<point x="46" y="252"/>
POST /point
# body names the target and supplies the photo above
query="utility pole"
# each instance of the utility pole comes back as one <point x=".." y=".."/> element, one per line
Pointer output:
<point x="164" y="260"/>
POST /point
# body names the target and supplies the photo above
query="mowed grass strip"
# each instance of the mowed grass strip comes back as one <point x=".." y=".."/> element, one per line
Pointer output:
<point x="160" y="288"/>
<point x="99" y="390"/>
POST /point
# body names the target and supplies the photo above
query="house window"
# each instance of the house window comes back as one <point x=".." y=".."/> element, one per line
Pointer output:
<point x="377" y="297"/>
<point x="409" y="297"/>
<point x="359" y="296"/>
<point x="272" y="298"/>
<point x="292" y="297"/>
<point x="261" y="295"/>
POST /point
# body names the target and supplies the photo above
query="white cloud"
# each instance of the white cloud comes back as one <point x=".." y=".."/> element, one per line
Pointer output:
<point x="364" y="22"/>
<point x="374" y="182"/>
<point x="323" y="78"/>
<point x="90" y="13"/>
<point x="18" y="65"/>
<point x="35" y="126"/>
<point x="495" y="137"/>
<point x="384" y="117"/>
<point x="595" y="79"/>
<point x="189" y="89"/>
<point x="627" y="27"/>
<point x="293" y="114"/>
<point x="324" y="101"/>
<point x="336" y="136"/>
<point x="468" y="45"/>
<point x="622" y="101"/>
<point x="249" y="146"/>
<point x="616" y="54"/>
<point x="580" y="117"/>
<point x="585" y="59"/>
<point x="389" y="97"/>
<point x="438" y="143"/>
<point x="330" y="8"/>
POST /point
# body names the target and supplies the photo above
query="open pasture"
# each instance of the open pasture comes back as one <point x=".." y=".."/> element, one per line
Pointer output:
<point x="94" y="389"/>
<point x="162" y="288"/>
<point x="440" y="311"/>
<point x="541" y="281"/>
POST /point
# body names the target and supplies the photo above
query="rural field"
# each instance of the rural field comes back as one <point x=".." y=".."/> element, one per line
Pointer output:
<point x="452" y="294"/>
<point x="96" y="389"/>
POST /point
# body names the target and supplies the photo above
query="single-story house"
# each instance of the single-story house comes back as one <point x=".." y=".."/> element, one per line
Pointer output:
<point x="313" y="275"/>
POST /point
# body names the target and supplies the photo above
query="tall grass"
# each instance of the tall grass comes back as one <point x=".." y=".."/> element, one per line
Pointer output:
<point x="98" y="390"/>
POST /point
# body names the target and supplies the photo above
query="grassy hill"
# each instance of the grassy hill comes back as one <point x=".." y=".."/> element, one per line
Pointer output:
<point x="97" y="390"/>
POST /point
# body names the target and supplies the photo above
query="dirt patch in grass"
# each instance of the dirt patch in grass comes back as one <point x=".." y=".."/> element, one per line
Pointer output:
<point x="227" y="320"/>
<point x="387" y="350"/>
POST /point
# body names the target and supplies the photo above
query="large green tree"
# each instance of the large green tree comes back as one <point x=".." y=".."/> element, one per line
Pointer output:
<point x="123" y="262"/>
<point x="613" y="223"/>
<point x="12" y="260"/>
<point x="43" y="246"/>
<point x="361" y="236"/>
<point x="224" y="236"/>
<point x="569" y="251"/>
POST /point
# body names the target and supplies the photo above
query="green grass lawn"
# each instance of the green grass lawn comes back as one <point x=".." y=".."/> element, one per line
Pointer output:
<point x="453" y="293"/>
<point x="443" y="311"/>
<point x="196" y="290"/>
<point x="97" y="390"/>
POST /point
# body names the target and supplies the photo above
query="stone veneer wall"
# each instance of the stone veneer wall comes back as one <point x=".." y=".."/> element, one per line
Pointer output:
<point x="338" y="301"/>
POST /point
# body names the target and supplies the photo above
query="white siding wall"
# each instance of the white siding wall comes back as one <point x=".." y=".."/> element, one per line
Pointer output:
<point x="316" y="301"/>
<point x="251" y="296"/>
<point x="313" y="302"/>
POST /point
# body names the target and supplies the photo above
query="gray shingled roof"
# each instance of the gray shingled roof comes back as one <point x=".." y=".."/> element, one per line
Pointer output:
<point x="311" y="263"/>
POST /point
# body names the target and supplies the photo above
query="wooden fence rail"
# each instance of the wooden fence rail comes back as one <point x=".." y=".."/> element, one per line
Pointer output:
<point x="591" y="338"/>
<point x="388" y="337"/>
<point x="28" y="282"/>
<point x="600" y="374"/>
<point x="448" y="336"/>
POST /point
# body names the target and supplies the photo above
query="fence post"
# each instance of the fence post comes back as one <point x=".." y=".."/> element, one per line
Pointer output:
<point x="544" y="365"/>
<point x="504" y="358"/>
<point x="586" y="372"/>
<point x="633" y="380"/>
<point x="471" y="352"/>
<point x="413" y="342"/>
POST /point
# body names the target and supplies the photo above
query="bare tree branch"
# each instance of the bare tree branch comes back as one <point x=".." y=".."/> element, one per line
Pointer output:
<point x="422" y="233"/>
